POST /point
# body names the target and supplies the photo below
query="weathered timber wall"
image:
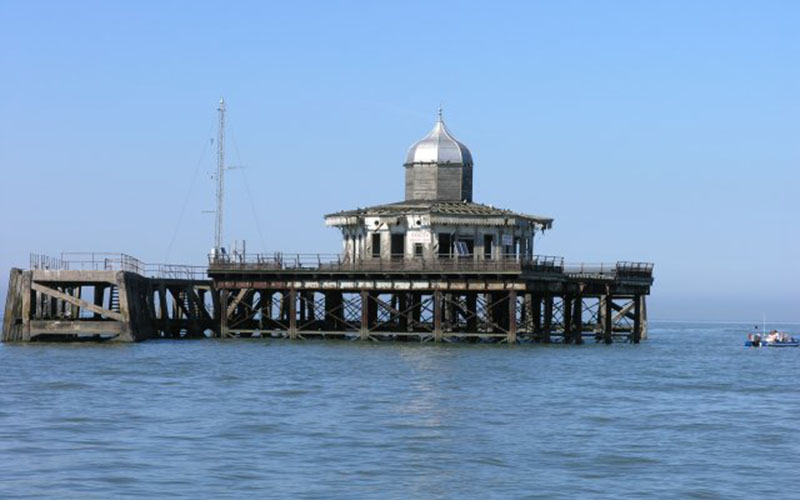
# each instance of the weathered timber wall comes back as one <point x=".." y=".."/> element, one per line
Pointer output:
<point x="12" y="317"/>
<point x="116" y="306"/>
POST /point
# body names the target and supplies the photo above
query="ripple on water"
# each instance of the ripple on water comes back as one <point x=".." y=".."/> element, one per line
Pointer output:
<point x="338" y="419"/>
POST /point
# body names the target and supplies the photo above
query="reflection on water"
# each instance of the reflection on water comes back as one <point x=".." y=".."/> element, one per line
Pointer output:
<point x="689" y="413"/>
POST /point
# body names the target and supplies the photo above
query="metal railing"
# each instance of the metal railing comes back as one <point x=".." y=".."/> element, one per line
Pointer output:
<point x="394" y="263"/>
<point x="107" y="261"/>
<point x="510" y="263"/>
<point x="637" y="269"/>
<point x="591" y="269"/>
<point x="278" y="261"/>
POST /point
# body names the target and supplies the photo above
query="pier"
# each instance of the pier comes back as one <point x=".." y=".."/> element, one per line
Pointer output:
<point x="104" y="296"/>
<point x="117" y="298"/>
<point x="512" y="300"/>
<point x="435" y="267"/>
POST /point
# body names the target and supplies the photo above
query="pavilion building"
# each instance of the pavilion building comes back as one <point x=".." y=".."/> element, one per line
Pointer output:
<point x="438" y="219"/>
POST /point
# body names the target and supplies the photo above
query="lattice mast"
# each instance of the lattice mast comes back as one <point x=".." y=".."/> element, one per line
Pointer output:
<point x="218" y="248"/>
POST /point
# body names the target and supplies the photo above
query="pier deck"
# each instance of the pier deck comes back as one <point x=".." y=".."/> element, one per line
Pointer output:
<point x="506" y="300"/>
<point x="104" y="296"/>
<point x="510" y="300"/>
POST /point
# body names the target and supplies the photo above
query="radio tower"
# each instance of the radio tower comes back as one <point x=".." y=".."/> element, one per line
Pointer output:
<point x="218" y="248"/>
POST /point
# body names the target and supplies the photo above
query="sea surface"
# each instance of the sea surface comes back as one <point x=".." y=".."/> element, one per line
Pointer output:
<point x="689" y="413"/>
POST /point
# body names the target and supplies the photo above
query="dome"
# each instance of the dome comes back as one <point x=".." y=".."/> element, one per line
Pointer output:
<point x="439" y="146"/>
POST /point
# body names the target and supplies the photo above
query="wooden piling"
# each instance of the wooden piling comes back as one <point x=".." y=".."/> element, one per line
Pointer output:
<point x="637" y="319"/>
<point x="512" y="317"/>
<point x="608" y="314"/>
<point x="567" y="319"/>
<point x="364" y="330"/>
<point x="577" y="318"/>
<point x="292" y="313"/>
<point x="437" y="316"/>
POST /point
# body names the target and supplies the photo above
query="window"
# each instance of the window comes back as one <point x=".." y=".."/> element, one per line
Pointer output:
<point x="376" y="245"/>
<point x="398" y="246"/>
<point x="418" y="249"/>
<point x="470" y="243"/>
<point x="445" y="245"/>
<point x="487" y="246"/>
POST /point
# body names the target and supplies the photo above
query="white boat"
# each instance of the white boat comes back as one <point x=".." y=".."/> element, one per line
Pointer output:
<point x="773" y="339"/>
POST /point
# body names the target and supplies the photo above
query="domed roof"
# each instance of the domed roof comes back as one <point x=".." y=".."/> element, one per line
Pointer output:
<point x="439" y="146"/>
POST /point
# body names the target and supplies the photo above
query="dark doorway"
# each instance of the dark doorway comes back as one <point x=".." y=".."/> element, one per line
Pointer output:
<point x="445" y="245"/>
<point x="376" y="245"/>
<point x="488" y="241"/>
<point x="398" y="246"/>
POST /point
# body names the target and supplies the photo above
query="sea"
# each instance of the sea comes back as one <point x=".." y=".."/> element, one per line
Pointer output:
<point x="688" y="413"/>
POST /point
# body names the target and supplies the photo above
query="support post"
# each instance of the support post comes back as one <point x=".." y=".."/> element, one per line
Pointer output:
<point x="437" y="316"/>
<point x="527" y="323"/>
<point x="637" y="319"/>
<point x="512" y="317"/>
<point x="163" y="306"/>
<point x="577" y="319"/>
<point x="402" y="302"/>
<point x="364" y="331"/>
<point x="608" y="311"/>
<point x="292" y="313"/>
<point x="416" y="307"/>
<point x="311" y="314"/>
<point x="27" y="302"/>
<point x="99" y="292"/>
<point x="471" y="300"/>
<point x="644" y="317"/>
<point x="567" y="307"/>
<point x="222" y="312"/>
<point x="544" y="335"/>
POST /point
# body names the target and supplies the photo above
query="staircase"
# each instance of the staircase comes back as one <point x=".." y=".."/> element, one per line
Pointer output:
<point x="114" y="305"/>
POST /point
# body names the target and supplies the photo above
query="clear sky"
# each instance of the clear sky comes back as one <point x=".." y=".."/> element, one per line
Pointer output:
<point x="655" y="131"/>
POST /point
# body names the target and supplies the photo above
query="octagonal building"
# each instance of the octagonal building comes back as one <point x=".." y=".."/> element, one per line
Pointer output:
<point x="438" y="220"/>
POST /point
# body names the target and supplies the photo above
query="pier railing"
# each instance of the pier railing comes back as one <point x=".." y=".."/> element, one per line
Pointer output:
<point x="278" y="261"/>
<point x="108" y="261"/>
<point x="395" y="263"/>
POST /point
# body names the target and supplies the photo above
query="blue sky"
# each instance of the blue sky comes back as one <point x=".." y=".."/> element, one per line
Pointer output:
<point x="664" y="132"/>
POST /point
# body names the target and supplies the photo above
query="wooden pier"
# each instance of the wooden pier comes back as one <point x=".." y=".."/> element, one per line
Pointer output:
<point x="507" y="301"/>
<point x="434" y="267"/>
<point x="103" y="296"/>
<point x="117" y="298"/>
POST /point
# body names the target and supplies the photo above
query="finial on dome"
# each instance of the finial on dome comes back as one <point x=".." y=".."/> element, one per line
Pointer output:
<point x="439" y="113"/>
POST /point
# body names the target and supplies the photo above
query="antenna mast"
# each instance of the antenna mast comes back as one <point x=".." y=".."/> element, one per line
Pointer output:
<point x="220" y="177"/>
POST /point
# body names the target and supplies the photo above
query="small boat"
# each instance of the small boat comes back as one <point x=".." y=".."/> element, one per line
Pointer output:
<point x="774" y="339"/>
<point x="792" y="342"/>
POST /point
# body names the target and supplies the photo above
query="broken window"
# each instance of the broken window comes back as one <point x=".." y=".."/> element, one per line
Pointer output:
<point x="487" y="246"/>
<point x="398" y="246"/>
<point x="461" y="249"/>
<point x="445" y="245"/>
<point x="376" y="245"/>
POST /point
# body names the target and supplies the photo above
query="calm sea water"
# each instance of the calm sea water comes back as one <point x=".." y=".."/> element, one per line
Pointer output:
<point x="689" y="413"/>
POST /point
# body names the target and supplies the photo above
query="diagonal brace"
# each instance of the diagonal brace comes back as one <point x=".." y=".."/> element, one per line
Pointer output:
<point x="76" y="301"/>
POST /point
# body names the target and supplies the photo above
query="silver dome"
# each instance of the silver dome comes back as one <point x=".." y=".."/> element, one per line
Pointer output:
<point x="439" y="146"/>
